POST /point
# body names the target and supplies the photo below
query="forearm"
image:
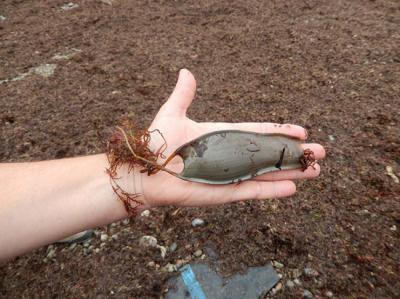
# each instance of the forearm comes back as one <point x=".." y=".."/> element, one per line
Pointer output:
<point x="42" y="202"/>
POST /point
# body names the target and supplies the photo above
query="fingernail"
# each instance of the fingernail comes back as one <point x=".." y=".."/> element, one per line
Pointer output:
<point x="306" y="133"/>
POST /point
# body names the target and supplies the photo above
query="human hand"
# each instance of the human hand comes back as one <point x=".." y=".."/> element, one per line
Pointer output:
<point x="164" y="189"/>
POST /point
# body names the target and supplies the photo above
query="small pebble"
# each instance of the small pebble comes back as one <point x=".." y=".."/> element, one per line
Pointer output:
<point x="197" y="222"/>
<point x="309" y="272"/>
<point x="69" y="6"/>
<point x="180" y="263"/>
<point x="51" y="253"/>
<point x="198" y="253"/>
<point x="125" y="221"/>
<point x="72" y="246"/>
<point x="277" y="288"/>
<point x="307" y="294"/>
<point x="102" y="245"/>
<point x="389" y="172"/>
<point x="148" y="241"/>
<point x="163" y="251"/>
<point x="331" y="138"/>
<point x="151" y="264"/>
<point x="113" y="224"/>
<point x="97" y="250"/>
<point x="114" y="237"/>
<point x="173" y="247"/>
<point x="86" y="244"/>
<point x="278" y="265"/>
<point x="290" y="284"/>
<point x="296" y="273"/>
<point x="297" y="281"/>
<point x="145" y="213"/>
<point x="169" y="267"/>
<point x="329" y="294"/>
<point x="393" y="228"/>
<point x="103" y="237"/>
<point x="2" y="18"/>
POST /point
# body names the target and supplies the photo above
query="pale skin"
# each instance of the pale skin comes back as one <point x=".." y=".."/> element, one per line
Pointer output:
<point x="42" y="202"/>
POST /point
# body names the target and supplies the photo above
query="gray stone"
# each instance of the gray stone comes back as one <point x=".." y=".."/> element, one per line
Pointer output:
<point x="331" y="138"/>
<point x="145" y="213"/>
<point x="198" y="253"/>
<point x="148" y="241"/>
<point x="69" y="6"/>
<point x="103" y="237"/>
<point x="173" y="247"/>
<point x="307" y="294"/>
<point x="197" y="222"/>
<point x="390" y="172"/>
<point x="2" y="18"/>
<point x="169" y="268"/>
<point x="125" y="221"/>
<point x="277" y="288"/>
<point x="109" y="2"/>
<point x="163" y="250"/>
<point x="290" y="284"/>
<point x="309" y="272"/>
<point x="51" y="253"/>
<point x="277" y="265"/>
<point x="297" y="281"/>
<point x="329" y="294"/>
<point x="180" y="263"/>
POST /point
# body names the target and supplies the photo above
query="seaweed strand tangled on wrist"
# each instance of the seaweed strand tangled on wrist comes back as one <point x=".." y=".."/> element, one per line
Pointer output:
<point x="129" y="146"/>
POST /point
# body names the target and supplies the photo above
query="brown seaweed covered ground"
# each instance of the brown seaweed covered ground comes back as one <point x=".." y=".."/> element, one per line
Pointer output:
<point x="331" y="66"/>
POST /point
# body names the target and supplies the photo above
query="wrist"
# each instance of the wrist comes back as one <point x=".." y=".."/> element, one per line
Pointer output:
<point x="127" y="186"/>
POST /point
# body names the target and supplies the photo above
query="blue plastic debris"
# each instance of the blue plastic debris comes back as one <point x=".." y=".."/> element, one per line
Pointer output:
<point x="199" y="281"/>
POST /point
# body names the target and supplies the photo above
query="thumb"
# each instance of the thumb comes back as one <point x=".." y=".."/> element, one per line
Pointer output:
<point x="182" y="96"/>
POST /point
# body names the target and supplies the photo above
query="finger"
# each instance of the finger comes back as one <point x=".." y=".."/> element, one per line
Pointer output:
<point x="309" y="173"/>
<point x="297" y="174"/>
<point x="220" y="194"/>
<point x="264" y="128"/>
<point x="182" y="96"/>
<point x="317" y="149"/>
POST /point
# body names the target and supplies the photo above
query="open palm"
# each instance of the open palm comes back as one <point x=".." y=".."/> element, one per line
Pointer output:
<point x="165" y="189"/>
